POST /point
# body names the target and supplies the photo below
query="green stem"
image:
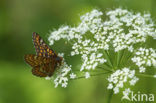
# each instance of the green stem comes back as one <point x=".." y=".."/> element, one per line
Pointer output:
<point x="107" y="69"/>
<point x="107" y="56"/>
<point x="91" y="75"/>
<point x="122" y="56"/>
<point x="118" y="57"/>
<point x="145" y="75"/>
<point x="110" y="96"/>
<point x="128" y="61"/>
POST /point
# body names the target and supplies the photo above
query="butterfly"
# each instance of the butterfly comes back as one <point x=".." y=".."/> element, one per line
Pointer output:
<point x="45" y="61"/>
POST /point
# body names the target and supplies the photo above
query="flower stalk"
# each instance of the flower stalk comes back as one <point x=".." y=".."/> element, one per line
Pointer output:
<point x="110" y="95"/>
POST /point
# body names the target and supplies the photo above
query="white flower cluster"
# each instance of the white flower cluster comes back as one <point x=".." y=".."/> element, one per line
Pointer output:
<point x="89" y="22"/>
<point x="86" y="47"/>
<point x="144" y="57"/>
<point x="59" y="34"/>
<point x="126" y="28"/>
<point x="90" y="62"/>
<point x="93" y="37"/>
<point x="119" y="77"/>
<point x="62" y="74"/>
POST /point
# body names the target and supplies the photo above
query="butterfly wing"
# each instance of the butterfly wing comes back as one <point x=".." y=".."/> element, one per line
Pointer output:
<point x="42" y="66"/>
<point x="34" y="60"/>
<point x="49" y="68"/>
<point x="43" y="70"/>
<point x="37" y="72"/>
<point x="41" y="47"/>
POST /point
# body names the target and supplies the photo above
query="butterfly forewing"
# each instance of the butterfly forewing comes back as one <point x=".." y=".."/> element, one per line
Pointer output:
<point x="41" y="47"/>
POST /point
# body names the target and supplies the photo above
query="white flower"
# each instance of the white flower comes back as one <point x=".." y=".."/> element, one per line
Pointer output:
<point x="126" y="93"/>
<point x="87" y="75"/>
<point x="47" y="78"/>
<point x="142" y="69"/>
<point x="133" y="81"/>
<point x="64" y="84"/>
<point x="61" y="54"/>
<point x="72" y="76"/>
<point x="116" y="90"/>
<point x="110" y="86"/>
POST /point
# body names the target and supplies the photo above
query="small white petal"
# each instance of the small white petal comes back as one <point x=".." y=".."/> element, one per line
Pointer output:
<point x="87" y="75"/>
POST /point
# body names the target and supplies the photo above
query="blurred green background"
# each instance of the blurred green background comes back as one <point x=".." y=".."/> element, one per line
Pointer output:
<point x="19" y="18"/>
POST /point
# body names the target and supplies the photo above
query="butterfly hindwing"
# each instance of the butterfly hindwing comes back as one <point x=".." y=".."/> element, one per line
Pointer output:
<point x="37" y="71"/>
<point x="49" y="68"/>
<point x="41" y="47"/>
<point x="44" y="69"/>
<point x="41" y="66"/>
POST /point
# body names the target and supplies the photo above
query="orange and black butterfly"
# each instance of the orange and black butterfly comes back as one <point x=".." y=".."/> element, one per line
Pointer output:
<point x="45" y="61"/>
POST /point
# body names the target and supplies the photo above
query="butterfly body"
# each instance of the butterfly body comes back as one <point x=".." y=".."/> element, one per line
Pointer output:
<point x="45" y="61"/>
